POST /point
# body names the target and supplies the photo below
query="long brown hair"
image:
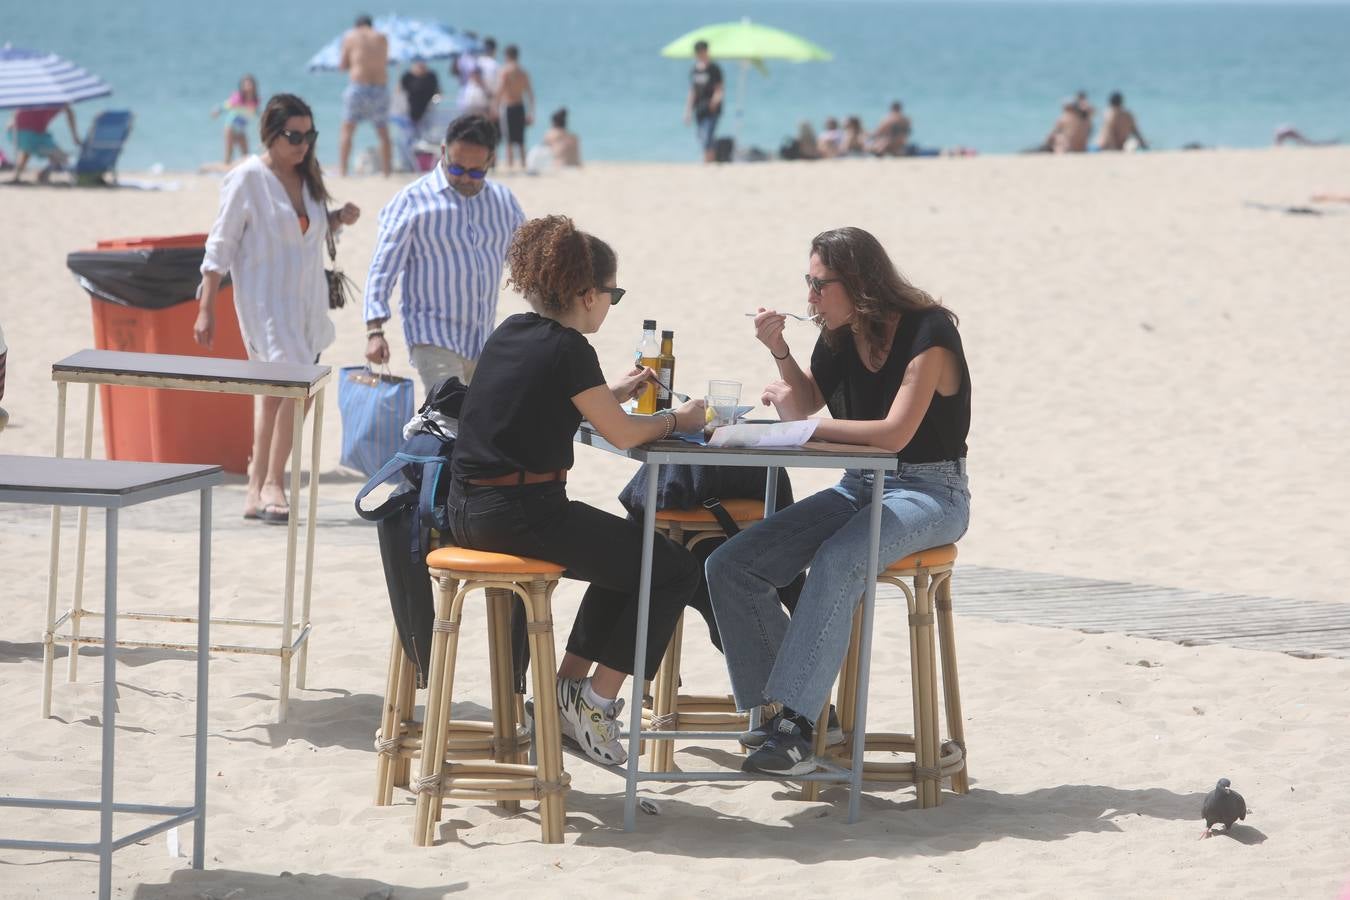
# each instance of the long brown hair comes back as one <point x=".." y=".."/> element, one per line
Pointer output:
<point x="880" y="294"/>
<point x="553" y="262"/>
<point x="280" y="108"/>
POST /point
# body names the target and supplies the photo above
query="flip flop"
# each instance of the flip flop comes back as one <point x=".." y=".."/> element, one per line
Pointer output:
<point x="252" y="515"/>
<point x="274" y="515"/>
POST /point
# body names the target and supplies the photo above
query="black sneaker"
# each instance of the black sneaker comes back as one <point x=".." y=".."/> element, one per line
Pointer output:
<point x="834" y="735"/>
<point x="785" y="752"/>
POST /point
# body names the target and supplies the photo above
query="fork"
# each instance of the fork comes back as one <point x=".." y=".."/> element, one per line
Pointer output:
<point x="790" y="316"/>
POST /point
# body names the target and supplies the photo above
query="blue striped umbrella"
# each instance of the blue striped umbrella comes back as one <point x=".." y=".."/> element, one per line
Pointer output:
<point x="34" y="78"/>
<point x="408" y="39"/>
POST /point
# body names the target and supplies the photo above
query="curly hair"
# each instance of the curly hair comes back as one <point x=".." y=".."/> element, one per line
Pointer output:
<point x="880" y="294"/>
<point x="553" y="262"/>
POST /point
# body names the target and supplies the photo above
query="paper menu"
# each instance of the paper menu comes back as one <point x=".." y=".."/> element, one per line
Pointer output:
<point x="764" y="435"/>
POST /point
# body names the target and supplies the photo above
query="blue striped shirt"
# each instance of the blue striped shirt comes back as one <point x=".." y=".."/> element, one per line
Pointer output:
<point x="450" y="250"/>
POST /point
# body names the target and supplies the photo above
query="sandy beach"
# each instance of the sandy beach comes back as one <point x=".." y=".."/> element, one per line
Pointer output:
<point x="1159" y="397"/>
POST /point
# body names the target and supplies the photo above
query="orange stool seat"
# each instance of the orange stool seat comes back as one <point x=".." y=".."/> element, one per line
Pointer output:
<point x="460" y="559"/>
<point x="742" y="510"/>
<point x="925" y="559"/>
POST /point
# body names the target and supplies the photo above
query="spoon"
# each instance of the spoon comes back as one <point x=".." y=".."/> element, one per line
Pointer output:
<point x="790" y="316"/>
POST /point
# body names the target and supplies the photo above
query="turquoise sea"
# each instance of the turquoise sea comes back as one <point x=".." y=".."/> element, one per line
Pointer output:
<point x="983" y="74"/>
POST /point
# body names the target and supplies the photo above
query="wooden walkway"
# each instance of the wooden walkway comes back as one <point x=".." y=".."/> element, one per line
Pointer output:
<point x="1297" y="627"/>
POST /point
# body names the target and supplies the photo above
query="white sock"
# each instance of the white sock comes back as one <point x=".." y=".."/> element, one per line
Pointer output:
<point x="593" y="698"/>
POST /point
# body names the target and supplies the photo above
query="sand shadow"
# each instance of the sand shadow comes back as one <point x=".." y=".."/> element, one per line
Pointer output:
<point x="219" y="884"/>
<point x="892" y="825"/>
<point x="343" y="720"/>
<point x="126" y="656"/>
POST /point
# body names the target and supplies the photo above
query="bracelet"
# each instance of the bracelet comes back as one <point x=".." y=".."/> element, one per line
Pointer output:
<point x="670" y="424"/>
<point x="375" y="333"/>
<point x="784" y="356"/>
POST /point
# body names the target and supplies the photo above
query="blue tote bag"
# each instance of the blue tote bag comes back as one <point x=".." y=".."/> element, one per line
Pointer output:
<point x="374" y="408"/>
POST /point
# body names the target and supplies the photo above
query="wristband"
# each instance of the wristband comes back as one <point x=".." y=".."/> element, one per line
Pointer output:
<point x="670" y="424"/>
<point x="375" y="333"/>
<point x="783" y="357"/>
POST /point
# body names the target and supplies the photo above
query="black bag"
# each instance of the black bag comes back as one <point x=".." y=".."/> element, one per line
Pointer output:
<point x="682" y="487"/>
<point x="340" y="288"/>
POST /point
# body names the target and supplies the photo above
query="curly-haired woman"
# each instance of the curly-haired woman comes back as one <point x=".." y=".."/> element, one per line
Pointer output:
<point x="890" y="365"/>
<point x="537" y="377"/>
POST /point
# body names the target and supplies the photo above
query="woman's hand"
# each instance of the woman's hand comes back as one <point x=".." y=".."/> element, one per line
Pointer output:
<point x="628" y="386"/>
<point x="349" y="213"/>
<point x="780" y="395"/>
<point x="690" y="417"/>
<point x="204" y="329"/>
<point x="769" y="331"/>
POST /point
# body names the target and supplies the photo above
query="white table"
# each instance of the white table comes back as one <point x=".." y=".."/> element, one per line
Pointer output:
<point x="195" y="373"/>
<point x="814" y="455"/>
<point x="112" y="486"/>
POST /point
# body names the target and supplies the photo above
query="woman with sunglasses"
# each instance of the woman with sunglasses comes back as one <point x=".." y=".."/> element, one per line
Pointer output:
<point x="537" y="377"/>
<point x="270" y="236"/>
<point x="890" y="365"/>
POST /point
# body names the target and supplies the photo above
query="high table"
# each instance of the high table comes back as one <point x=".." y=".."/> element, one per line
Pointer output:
<point x="112" y="486"/>
<point x="195" y="373"/>
<point x="813" y="455"/>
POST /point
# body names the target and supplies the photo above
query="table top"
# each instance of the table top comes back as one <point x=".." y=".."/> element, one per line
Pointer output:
<point x="97" y="482"/>
<point x="194" y="372"/>
<point x="811" y="455"/>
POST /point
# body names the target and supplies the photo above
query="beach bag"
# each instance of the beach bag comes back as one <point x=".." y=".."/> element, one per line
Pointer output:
<point x="686" y="486"/>
<point x="374" y="407"/>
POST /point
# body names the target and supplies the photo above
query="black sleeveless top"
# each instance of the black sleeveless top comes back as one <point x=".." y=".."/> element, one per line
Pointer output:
<point x="851" y="391"/>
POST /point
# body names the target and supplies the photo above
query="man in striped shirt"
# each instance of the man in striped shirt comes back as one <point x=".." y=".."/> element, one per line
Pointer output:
<point x="447" y="234"/>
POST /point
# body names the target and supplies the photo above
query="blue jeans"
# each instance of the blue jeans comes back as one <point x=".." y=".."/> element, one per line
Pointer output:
<point x="707" y="129"/>
<point x="772" y="658"/>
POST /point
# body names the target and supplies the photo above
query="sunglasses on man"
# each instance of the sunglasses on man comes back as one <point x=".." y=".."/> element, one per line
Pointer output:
<point x="296" y="138"/>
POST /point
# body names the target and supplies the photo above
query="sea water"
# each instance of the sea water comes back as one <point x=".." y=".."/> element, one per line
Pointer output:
<point x="987" y="75"/>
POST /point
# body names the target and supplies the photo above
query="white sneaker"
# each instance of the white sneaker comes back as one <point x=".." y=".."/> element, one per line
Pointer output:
<point x="590" y="721"/>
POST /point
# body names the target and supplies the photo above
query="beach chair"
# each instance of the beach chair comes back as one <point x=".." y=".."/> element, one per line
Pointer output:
<point x="101" y="148"/>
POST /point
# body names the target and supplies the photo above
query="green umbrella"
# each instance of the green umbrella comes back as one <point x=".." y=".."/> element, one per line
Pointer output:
<point x="750" y="44"/>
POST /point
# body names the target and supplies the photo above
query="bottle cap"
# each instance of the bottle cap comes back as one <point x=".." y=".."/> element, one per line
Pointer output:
<point x="648" y="324"/>
<point x="667" y="334"/>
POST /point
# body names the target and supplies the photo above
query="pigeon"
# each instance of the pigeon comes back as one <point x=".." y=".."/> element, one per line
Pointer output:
<point x="1223" y="806"/>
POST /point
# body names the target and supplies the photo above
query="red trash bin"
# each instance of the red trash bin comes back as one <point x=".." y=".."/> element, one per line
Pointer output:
<point x="142" y="292"/>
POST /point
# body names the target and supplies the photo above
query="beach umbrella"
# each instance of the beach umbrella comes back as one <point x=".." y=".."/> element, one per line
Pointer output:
<point x="751" y="44"/>
<point x="36" y="78"/>
<point x="408" y="39"/>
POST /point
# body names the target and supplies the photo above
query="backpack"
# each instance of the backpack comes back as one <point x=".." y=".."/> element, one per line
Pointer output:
<point x="416" y="507"/>
<point x="685" y="486"/>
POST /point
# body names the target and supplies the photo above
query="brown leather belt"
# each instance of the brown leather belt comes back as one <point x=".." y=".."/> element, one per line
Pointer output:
<point x="522" y="478"/>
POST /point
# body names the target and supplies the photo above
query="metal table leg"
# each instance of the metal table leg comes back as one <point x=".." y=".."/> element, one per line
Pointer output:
<point x="865" y="649"/>
<point x="640" y="650"/>
<point x="53" y="565"/>
<point x="77" y="607"/>
<point x="105" y="831"/>
<point x="203" y="667"/>
<point x="310" y="520"/>
<point x="292" y="525"/>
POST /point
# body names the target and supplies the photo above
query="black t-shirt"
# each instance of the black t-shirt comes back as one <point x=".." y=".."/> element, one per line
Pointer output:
<point x="420" y="89"/>
<point x="518" y="414"/>
<point x="705" y="80"/>
<point x="853" y="392"/>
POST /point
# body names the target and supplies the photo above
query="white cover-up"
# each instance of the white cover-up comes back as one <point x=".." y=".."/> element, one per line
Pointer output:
<point x="280" y="291"/>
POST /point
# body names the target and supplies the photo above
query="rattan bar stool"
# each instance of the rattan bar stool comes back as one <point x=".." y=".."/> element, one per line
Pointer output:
<point x="506" y="778"/>
<point x="670" y="710"/>
<point x="930" y="602"/>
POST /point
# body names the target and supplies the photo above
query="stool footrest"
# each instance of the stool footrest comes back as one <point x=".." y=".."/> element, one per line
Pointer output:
<point x="483" y="781"/>
<point x="951" y="759"/>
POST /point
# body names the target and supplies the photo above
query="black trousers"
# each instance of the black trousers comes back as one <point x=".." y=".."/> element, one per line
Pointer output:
<point x="538" y="520"/>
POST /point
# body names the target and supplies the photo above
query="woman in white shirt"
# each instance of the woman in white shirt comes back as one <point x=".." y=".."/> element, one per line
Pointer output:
<point x="270" y="236"/>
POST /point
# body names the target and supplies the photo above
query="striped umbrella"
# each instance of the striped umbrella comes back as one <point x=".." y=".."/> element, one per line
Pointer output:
<point x="408" y="39"/>
<point x="34" y="78"/>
